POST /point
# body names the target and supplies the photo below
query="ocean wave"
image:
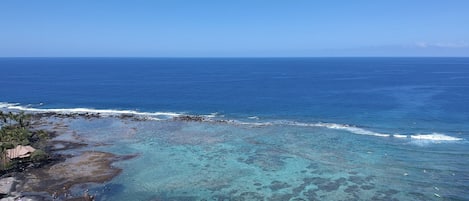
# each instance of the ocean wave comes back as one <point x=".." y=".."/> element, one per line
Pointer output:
<point x="103" y="112"/>
<point x="435" y="137"/>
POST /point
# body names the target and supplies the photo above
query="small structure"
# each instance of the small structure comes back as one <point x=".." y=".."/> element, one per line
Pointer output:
<point x="20" y="151"/>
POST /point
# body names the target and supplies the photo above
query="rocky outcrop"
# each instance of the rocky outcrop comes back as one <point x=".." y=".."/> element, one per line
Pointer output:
<point x="7" y="185"/>
<point x="89" y="167"/>
<point x="189" y="118"/>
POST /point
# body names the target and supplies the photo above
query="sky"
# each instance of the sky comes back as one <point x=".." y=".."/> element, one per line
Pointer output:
<point x="236" y="28"/>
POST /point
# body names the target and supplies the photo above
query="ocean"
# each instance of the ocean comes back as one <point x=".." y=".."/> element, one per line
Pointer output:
<point x="298" y="128"/>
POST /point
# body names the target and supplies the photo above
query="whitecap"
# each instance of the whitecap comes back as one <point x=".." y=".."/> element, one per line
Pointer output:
<point x="103" y="112"/>
<point x="434" y="137"/>
<point x="400" y="136"/>
<point x="351" y="129"/>
<point x="437" y="137"/>
<point x="211" y="115"/>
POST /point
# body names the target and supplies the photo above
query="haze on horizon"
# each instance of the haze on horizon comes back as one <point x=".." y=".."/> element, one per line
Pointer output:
<point x="244" y="28"/>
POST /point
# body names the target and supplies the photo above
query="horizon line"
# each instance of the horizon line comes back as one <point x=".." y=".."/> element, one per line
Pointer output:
<point x="229" y="57"/>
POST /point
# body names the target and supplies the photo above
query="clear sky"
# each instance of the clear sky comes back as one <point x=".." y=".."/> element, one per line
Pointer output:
<point x="236" y="28"/>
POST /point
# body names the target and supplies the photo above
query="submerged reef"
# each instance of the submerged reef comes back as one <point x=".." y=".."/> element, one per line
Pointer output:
<point x="193" y="158"/>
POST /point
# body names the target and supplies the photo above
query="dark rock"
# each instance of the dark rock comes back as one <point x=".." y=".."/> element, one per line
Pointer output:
<point x="85" y="168"/>
<point x="277" y="185"/>
<point x="298" y="199"/>
<point x="356" y="179"/>
<point x="7" y="185"/>
<point x="316" y="180"/>
<point x="369" y="178"/>
<point x="382" y="196"/>
<point x="329" y="186"/>
<point x="189" y="118"/>
<point x="112" y="189"/>
<point x="352" y="189"/>
<point x="367" y="187"/>
<point x="391" y="192"/>
<point x="298" y="189"/>
<point x="221" y="198"/>
<point x="332" y="185"/>
<point x="126" y="116"/>
<point x="311" y="194"/>
<point x="312" y="166"/>
<point x="341" y="180"/>
<point x="249" y="196"/>
<point x="281" y="197"/>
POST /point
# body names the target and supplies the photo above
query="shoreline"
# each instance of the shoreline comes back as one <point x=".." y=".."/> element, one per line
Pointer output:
<point x="94" y="167"/>
<point x="55" y="178"/>
<point x="253" y="121"/>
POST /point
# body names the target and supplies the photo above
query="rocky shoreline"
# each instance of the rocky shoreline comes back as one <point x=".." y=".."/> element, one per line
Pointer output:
<point x="54" y="178"/>
<point x="53" y="182"/>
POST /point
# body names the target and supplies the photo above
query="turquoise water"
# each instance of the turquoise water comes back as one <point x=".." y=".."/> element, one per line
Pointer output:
<point x="219" y="161"/>
<point x="293" y="128"/>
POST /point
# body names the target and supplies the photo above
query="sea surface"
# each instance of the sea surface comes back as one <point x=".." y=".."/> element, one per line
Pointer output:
<point x="275" y="129"/>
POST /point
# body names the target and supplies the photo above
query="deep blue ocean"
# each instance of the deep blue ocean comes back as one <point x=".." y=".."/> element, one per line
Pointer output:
<point x="406" y="115"/>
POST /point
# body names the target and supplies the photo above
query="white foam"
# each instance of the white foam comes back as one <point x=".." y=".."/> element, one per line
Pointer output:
<point x="211" y="115"/>
<point x="351" y="129"/>
<point x="103" y="112"/>
<point x="435" y="137"/>
<point x="344" y="127"/>
<point x="400" y="136"/>
<point x="251" y="123"/>
<point x="438" y="137"/>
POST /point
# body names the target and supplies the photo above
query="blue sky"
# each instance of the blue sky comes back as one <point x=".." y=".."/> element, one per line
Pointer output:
<point x="238" y="28"/>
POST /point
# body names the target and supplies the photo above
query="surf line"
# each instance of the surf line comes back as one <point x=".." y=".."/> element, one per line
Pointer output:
<point x="438" y="137"/>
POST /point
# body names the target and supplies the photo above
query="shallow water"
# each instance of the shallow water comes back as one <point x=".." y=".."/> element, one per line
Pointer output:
<point x="219" y="161"/>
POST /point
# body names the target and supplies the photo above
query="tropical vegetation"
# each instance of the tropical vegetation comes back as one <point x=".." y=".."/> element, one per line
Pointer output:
<point x="16" y="131"/>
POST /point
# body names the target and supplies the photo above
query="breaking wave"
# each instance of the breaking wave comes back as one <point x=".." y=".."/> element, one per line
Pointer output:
<point x="102" y="112"/>
<point x="435" y="137"/>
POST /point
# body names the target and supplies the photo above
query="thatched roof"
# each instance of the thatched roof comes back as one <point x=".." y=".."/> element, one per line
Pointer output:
<point x="20" y="152"/>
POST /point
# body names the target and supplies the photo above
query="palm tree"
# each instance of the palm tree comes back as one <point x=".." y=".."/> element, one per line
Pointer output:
<point x="3" y="117"/>
<point x="22" y="119"/>
<point x="11" y="117"/>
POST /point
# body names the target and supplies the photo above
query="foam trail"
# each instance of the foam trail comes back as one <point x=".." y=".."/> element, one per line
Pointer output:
<point x="437" y="137"/>
<point x="236" y="122"/>
<point x="211" y="115"/>
<point x="434" y="137"/>
<point x="429" y="137"/>
<point x="351" y="129"/>
<point x="104" y="112"/>
<point x="400" y="136"/>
